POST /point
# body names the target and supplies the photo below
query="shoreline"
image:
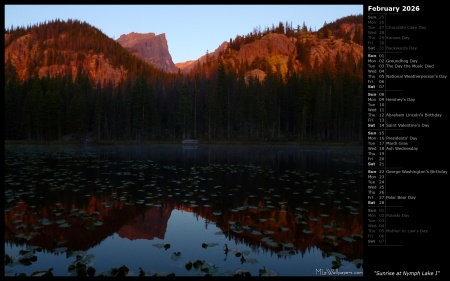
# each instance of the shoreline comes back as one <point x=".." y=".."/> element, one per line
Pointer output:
<point x="234" y="142"/>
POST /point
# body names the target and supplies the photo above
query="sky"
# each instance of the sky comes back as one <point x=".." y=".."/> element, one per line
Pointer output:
<point x="191" y="30"/>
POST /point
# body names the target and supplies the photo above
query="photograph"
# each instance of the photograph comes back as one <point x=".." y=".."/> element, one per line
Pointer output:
<point x="184" y="140"/>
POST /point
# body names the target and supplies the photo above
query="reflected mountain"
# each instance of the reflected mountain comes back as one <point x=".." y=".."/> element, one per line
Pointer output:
<point x="67" y="199"/>
<point x="338" y="231"/>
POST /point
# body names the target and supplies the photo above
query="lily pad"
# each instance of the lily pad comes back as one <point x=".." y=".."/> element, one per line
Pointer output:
<point x="307" y="230"/>
<point x="337" y="255"/>
<point x="59" y="250"/>
<point x="176" y="256"/>
<point x="251" y="261"/>
<point x="47" y="273"/>
<point x="285" y="253"/>
<point x="348" y="239"/>
<point x="267" y="272"/>
<point x="266" y="239"/>
<point x="242" y="272"/>
<point x="272" y="243"/>
<point x="45" y="221"/>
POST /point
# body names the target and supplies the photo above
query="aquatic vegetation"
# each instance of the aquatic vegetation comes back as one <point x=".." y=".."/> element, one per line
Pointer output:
<point x="267" y="272"/>
<point x="72" y="200"/>
<point x="25" y="257"/>
<point x="121" y="271"/>
<point x="45" y="273"/>
<point x="82" y="265"/>
<point x="242" y="273"/>
<point x="161" y="245"/>
<point x="175" y="256"/>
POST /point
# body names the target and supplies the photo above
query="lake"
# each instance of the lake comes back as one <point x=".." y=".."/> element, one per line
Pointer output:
<point x="158" y="210"/>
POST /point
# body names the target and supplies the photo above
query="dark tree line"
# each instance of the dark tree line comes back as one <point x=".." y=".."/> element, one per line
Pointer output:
<point x="323" y="104"/>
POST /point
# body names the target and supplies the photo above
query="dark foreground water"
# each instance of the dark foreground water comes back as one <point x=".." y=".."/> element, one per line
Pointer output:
<point x="163" y="209"/>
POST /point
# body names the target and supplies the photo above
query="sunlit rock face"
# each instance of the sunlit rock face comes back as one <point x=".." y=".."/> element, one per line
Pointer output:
<point x="24" y="49"/>
<point x="191" y="64"/>
<point x="150" y="48"/>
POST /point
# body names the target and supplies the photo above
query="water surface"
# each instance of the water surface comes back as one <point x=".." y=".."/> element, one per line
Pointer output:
<point x="162" y="209"/>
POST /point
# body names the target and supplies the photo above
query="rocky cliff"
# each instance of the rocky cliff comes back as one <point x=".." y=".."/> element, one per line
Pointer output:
<point x="25" y="54"/>
<point x="150" y="48"/>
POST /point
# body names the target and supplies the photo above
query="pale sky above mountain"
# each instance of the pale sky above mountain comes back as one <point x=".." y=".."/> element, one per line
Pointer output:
<point x="191" y="30"/>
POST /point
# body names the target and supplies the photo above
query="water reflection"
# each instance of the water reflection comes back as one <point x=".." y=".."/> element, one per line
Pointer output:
<point x="281" y="202"/>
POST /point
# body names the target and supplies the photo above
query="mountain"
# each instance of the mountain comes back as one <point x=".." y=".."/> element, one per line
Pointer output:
<point x="189" y="65"/>
<point x="57" y="49"/>
<point x="62" y="48"/>
<point x="28" y="57"/>
<point x="287" y="49"/>
<point x="184" y="65"/>
<point x="150" y="48"/>
<point x="277" y="46"/>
